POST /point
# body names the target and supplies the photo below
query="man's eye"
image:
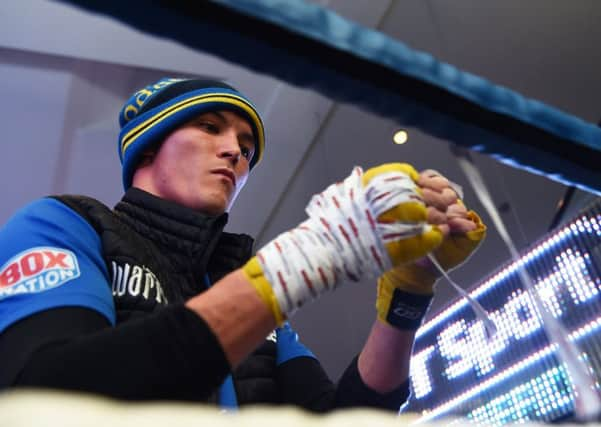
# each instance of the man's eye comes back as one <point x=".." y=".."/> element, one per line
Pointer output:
<point x="209" y="126"/>
<point x="246" y="153"/>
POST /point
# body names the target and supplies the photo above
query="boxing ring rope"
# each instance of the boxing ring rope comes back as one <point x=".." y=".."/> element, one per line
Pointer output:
<point x="312" y="47"/>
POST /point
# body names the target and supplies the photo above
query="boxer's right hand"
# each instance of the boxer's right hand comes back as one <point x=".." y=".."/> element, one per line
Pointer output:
<point x="367" y="224"/>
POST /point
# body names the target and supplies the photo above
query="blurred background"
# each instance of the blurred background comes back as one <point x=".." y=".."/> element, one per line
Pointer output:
<point x="65" y="73"/>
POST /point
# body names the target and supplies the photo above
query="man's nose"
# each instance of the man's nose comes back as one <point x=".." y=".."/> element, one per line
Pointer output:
<point x="229" y="148"/>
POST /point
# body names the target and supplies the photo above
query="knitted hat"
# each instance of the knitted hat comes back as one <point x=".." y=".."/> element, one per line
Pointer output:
<point x="152" y="113"/>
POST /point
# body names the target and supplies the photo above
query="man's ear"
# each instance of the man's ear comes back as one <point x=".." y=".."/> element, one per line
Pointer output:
<point x="147" y="158"/>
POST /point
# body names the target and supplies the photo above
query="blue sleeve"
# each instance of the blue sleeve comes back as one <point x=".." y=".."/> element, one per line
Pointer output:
<point x="289" y="346"/>
<point x="51" y="257"/>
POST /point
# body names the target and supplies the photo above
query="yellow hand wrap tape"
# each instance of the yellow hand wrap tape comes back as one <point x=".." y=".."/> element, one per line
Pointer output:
<point x="405" y="168"/>
<point x="409" y="278"/>
<point x="419" y="280"/>
<point x="457" y="248"/>
<point x="384" y="298"/>
<point x="409" y="249"/>
<point x="412" y="277"/>
<point x="254" y="274"/>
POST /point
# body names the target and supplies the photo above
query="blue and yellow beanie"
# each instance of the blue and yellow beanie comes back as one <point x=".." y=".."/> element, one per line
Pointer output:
<point x="152" y="113"/>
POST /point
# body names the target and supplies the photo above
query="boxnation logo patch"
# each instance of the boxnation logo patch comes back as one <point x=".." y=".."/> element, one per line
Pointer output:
<point x="37" y="270"/>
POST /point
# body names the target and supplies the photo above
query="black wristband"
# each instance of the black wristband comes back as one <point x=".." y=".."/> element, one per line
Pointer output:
<point x="407" y="310"/>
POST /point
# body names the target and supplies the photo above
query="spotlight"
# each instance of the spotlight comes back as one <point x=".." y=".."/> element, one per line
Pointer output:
<point x="400" y="137"/>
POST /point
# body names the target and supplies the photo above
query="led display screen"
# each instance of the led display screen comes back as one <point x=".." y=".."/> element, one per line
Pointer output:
<point x="457" y="370"/>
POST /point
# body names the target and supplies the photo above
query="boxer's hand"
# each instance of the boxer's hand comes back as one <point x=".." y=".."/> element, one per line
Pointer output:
<point x="463" y="232"/>
<point x="412" y="212"/>
<point x="464" y="228"/>
<point x="365" y="225"/>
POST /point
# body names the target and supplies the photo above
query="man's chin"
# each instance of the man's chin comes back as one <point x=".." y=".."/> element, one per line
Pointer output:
<point x="213" y="208"/>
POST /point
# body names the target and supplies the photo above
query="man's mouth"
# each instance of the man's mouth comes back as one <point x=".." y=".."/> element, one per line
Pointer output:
<point x="226" y="172"/>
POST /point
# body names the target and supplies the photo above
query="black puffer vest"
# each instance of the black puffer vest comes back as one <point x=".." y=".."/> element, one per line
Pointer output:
<point x="158" y="253"/>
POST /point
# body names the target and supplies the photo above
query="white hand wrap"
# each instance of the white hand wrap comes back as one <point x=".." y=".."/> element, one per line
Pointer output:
<point x="341" y="238"/>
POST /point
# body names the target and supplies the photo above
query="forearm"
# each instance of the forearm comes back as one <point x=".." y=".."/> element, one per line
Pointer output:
<point x="178" y="353"/>
<point x="378" y="378"/>
<point x="352" y="392"/>
<point x="237" y="316"/>
<point x="304" y="383"/>
<point x="168" y="355"/>
<point x="384" y="361"/>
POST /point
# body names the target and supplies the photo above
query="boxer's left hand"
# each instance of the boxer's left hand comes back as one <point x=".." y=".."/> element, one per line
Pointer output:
<point x="463" y="230"/>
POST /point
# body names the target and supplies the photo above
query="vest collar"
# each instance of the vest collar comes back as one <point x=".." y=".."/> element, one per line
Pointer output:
<point x="175" y="226"/>
<point x="187" y="237"/>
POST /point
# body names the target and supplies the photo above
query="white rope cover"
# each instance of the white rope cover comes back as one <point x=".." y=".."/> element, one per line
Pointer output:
<point x="340" y="240"/>
<point x="37" y="408"/>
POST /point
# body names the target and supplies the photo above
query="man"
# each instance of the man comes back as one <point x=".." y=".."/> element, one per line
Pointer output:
<point x="152" y="300"/>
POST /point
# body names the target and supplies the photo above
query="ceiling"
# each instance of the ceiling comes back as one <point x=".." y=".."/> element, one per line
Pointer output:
<point x="64" y="74"/>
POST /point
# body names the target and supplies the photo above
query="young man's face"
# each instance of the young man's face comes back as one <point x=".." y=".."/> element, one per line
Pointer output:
<point x="203" y="164"/>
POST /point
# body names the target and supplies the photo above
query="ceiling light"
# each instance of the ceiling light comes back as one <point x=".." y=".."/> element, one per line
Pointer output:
<point x="400" y="137"/>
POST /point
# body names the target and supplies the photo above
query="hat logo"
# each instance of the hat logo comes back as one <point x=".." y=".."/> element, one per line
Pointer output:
<point x="138" y="99"/>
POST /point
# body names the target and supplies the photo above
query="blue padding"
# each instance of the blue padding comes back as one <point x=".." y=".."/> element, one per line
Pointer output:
<point x="227" y="395"/>
<point x="318" y="23"/>
<point x="311" y="47"/>
<point x="289" y="346"/>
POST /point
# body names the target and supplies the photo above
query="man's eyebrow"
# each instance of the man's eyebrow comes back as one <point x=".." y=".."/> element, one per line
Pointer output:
<point x="247" y="136"/>
<point x="218" y="114"/>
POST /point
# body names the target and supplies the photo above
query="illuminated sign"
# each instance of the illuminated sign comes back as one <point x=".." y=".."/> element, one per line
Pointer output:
<point x="456" y="370"/>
